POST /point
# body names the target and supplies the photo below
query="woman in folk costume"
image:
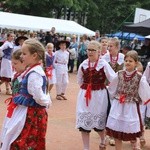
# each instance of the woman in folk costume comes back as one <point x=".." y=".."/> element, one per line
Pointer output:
<point x="114" y="58"/>
<point x="6" y="66"/>
<point x="127" y="90"/>
<point x="61" y="66"/>
<point x="29" y="121"/>
<point x="50" y="70"/>
<point x="92" y="102"/>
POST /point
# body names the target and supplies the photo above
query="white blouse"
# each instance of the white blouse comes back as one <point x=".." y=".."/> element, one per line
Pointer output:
<point x="119" y="61"/>
<point x="143" y="90"/>
<point x="35" y="82"/>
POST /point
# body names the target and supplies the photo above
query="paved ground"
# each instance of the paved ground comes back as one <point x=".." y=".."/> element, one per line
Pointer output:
<point x="61" y="134"/>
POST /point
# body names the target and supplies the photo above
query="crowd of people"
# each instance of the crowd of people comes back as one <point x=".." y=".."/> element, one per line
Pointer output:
<point x="114" y="88"/>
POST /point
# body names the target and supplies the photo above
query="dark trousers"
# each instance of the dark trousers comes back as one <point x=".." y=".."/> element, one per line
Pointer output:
<point x="80" y="60"/>
<point x="71" y="65"/>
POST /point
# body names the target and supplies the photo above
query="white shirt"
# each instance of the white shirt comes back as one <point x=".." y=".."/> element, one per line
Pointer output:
<point x="61" y="61"/>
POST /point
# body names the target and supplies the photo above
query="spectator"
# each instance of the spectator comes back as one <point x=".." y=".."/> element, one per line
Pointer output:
<point x="135" y="45"/>
<point x="82" y="54"/>
<point x="125" y="49"/>
<point x="73" y="53"/>
<point x="97" y="36"/>
<point x="144" y="53"/>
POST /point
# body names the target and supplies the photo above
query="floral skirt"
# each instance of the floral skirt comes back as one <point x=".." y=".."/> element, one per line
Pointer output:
<point x="32" y="137"/>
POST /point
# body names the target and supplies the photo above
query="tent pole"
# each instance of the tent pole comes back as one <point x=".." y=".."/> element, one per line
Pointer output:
<point x="78" y="39"/>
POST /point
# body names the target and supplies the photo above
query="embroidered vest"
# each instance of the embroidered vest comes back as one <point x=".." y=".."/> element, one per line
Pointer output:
<point x="116" y="67"/>
<point x="97" y="79"/>
<point x="24" y="98"/>
<point x="7" y="53"/>
<point x="49" y="60"/>
<point x="15" y="86"/>
<point x="128" y="88"/>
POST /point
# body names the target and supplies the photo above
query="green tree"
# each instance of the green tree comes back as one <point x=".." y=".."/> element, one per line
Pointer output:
<point x="105" y="15"/>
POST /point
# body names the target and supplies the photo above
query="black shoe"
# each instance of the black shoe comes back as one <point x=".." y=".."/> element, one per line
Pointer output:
<point x="70" y="71"/>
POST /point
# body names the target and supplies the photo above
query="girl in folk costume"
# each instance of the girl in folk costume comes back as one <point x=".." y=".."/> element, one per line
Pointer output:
<point x="50" y="70"/>
<point x="31" y="100"/>
<point x="12" y="109"/>
<point x="6" y="66"/>
<point x="147" y="75"/>
<point x="92" y="100"/>
<point x="114" y="58"/>
<point x="116" y="61"/>
<point x="104" y="45"/>
<point x="128" y="89"/>
<point x="61" y="67"/>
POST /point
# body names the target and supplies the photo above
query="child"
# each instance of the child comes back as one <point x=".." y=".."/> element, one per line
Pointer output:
<point x="50" y="70"/>
<point x="116" y="61"/>
<point x="104" y="45"/>
<point x="92" y="104"/>
<point x="128" y="90"/>
<point x="32" y="100"/>
<point x="61" y="66"/>
<point x="6" y="67"/>
<point x="19" y="68"/>
<point x="114" y="58"/>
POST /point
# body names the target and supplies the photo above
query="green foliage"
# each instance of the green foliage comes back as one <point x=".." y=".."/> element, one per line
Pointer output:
<point x="105" y="15"/>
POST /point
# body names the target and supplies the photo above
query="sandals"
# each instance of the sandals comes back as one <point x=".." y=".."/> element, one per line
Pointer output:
<point x="58" y="97"/>
<point x="102" y="146"/>
<point x="142" y="142"/>
<point x="63" y="96"/>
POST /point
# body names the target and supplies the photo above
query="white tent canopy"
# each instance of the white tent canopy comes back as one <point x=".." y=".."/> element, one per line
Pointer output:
<point x="26" y="22"/>
<point x="147" y="37"/>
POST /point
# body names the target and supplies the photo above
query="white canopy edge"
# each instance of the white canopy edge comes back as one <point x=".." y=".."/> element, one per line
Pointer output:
<point x="147" y="37"/>
<point x="26" y="22"/>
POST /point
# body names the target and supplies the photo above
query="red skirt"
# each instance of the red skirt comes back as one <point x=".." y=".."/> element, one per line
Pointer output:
<point x="33" y="134"/>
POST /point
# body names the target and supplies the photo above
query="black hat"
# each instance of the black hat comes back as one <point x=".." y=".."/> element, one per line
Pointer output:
<point x="20" y="38"/>
<point x="63" y="41"/>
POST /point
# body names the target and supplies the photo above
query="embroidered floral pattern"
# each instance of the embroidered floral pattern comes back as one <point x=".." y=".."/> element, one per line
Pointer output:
<point x="32" y="136"/>
<point x="89" y="120"/>
<point x="97" y="79"/>
<point x="116" y="67"/>
<point x="128" y="89"/>
<point x="15" y="86"/>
